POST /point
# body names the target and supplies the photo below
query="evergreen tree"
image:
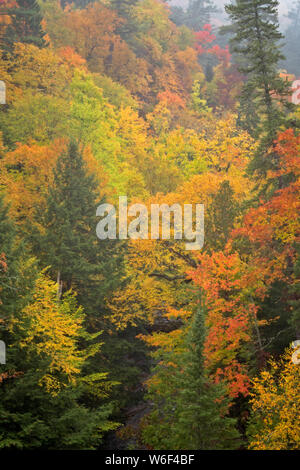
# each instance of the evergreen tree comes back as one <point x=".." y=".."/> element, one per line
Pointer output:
<point x="197" y="14"/>
<point x="46" y="399"/>
<point x="30" y="415"/>
<point x="25" y="25"/>
<point x="124" y="8"/>
<point x="292" y="40"/>
<point x="80" y="261"/>
<point x="202" y="421"/>
<point x="69" y="244"/>
<point x="8" y="262"/>
<point x="178" y="15"/>
<point x="221" y="215"/>
<point x="77" y="3"/>
<point x="191" y="410"/>
<point x="257" y="42"/>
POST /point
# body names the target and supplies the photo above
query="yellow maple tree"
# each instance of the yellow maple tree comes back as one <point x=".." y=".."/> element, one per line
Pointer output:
<point x="275" y="422"/>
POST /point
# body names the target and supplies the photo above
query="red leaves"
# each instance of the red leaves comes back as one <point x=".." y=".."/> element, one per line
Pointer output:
<point x="222" y="54"/>
<point x="206" y="37"/>
<point x="236" y="376"/>
<point x="225" y="280"/>
<point x="275" y="223"/>
<point x="3" y="263"/>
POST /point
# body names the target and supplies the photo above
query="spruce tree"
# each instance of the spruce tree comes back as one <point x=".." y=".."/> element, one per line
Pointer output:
<point x="201" y="411"/>
<point x="77" y="3"/>
<point x="41" y="405"/>
<point x="292" y="40"/>
<point x="25" y="25"/>
<point x="124" y="9"/>
<point x="190" y="411"/>
<point x="221" y="215"/>
<point x="256" y="42"/>
<point x="79" y="260"/>
<point x="199" y="13"/>
<point x="8" y="262"/>
<point x="69" y="244"/>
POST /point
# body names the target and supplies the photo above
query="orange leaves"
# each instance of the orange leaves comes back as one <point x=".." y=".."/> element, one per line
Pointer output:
<point x="171" y="99"/>
<point x="274" y="226"/>
<point x="70" y="56"/>
<point x="3" y="263"/>
<point x="231" y="285"/>
<point x="92" y="32"/>
<point x="4" y="18"/>
<point x="26" y="173"/>
<point x="225" y="281"/>
<point x="288" y="147"/>
<point x="237" y="376"/>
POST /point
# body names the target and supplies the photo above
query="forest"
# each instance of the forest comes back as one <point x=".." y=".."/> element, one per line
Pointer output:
<point x="142" y="344"/>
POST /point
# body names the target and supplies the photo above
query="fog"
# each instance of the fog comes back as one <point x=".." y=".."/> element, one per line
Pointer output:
<point x="283" y="9"/>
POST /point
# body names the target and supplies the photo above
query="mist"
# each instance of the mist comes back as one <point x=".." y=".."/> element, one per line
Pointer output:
<point x="284" y="7"/>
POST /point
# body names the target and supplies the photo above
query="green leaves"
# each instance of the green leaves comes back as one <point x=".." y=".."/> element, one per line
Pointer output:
<point x="25" y="25"/>
<point x="256" y="41"/>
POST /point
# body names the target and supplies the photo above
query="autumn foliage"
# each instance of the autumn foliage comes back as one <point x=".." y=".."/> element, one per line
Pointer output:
<point x="106" y="99"/>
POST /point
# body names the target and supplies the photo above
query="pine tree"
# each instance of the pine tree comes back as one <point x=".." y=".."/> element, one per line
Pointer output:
<point x="178" y="15"/>
<point x="292" y="40"/>
<point x="199" y="13"/>
<point x="190" y="411"/>
<point x="257" y="42"/>
<point x="78" y="3"/>
<point x="69" y="245"/>
<point x="8" y="262"/>
<point x="46" y="398"/>
<point x="221" y="215"/>
<point x="202" y="422"/>
<point x="25" y="25"/>
<point x="124" y="9"/>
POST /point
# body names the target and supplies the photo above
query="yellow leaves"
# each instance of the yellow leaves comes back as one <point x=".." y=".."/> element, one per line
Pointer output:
<point x="40" y="70"/>
<point x="225" y="148"/>
<point x="220" y="150"/>
<point x="152" y="264"/>
<point x="25" y="173"/>
<point x="275" y="407"/>
<point x="153" y="16"/>
<point x="166" y="341"/>
<point x="50" y="330"/>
